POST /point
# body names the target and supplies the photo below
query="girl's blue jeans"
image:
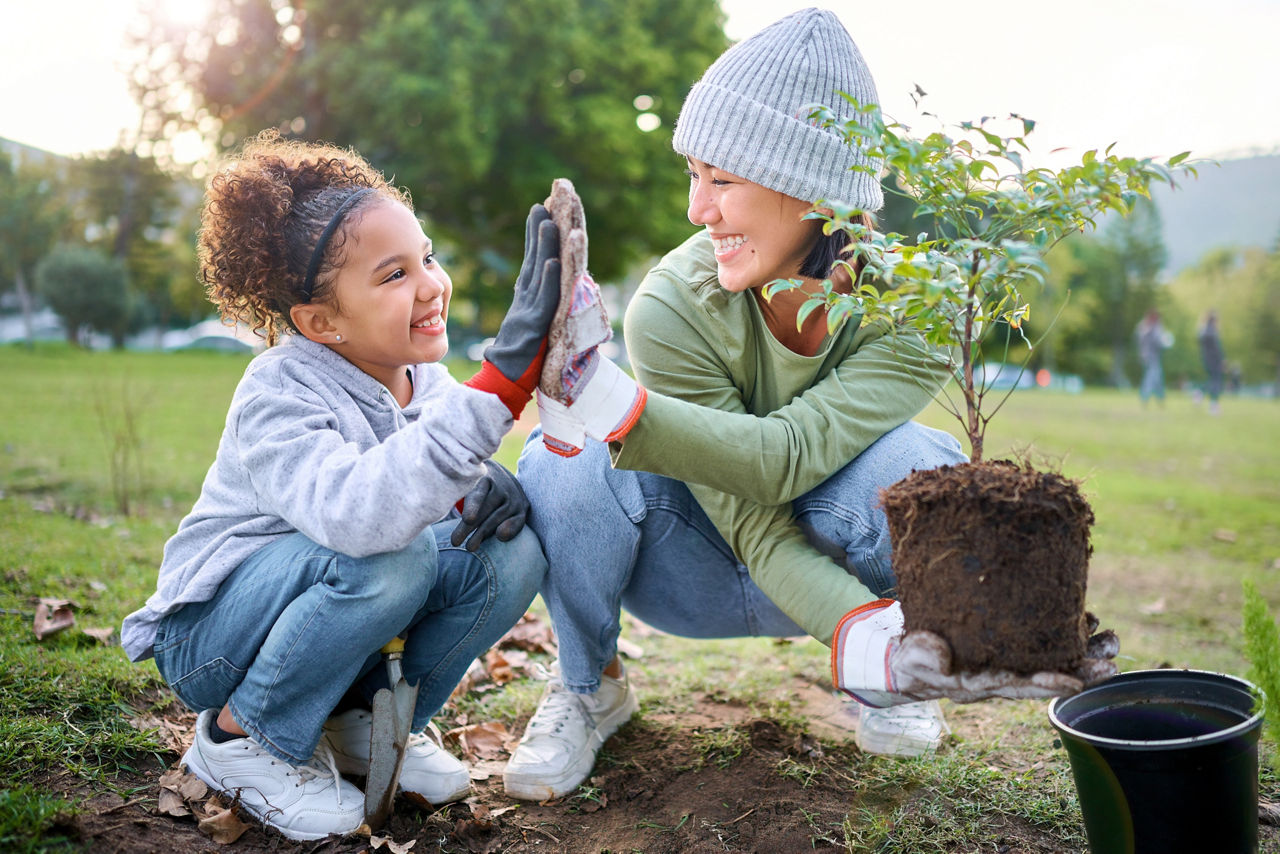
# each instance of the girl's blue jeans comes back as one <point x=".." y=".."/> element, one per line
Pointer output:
<point x="625" y="539"/>
<point x="297" y="625"/>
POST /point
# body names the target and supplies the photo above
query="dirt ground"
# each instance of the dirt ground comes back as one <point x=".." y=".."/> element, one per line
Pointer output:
<point x="714" y="779"/>
<point x="655" y="791"/>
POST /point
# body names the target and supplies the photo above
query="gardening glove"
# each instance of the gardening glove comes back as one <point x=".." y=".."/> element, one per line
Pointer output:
<point x="590" y="397"/>
<point x="513" y="362"/>
<point x="605" y="405"/>
<point x="874" y="662"/>
<point x="495" y="506"/>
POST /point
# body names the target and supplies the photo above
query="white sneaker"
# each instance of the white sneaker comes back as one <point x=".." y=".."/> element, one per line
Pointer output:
<point x="559" y="746"/>
<point x="911" y="729"/>
<point x="430" y="773"/>
<point x="304" y="802"/>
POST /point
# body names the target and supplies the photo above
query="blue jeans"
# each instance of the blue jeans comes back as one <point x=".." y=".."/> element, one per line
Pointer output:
<point x="1152" y="384"/>
<point x="624" y="539"/>
<point x="297" y="625"/>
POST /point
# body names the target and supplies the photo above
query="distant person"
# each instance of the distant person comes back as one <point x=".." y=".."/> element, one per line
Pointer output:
<point x="1212" y="358"/>
<point x="1153" y="339"/>
<point x="326" y="524"/>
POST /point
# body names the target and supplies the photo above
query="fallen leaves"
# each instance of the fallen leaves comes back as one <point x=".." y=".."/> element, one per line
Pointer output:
<point x="175" y="731"/>
<point x="490" y="740"/>
<point x="183" y="794"/>
<point x="219" y="822"/>
<point x="377" y="843"/>
<point x="530" y="634"/>
<point x="53" y="616"/>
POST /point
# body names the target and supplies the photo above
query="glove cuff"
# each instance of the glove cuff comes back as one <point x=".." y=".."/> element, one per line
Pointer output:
<point x="864" y="640"/>
<point x="561" y="432"/>
<point x="608" y="405"/>
<point x="493" y="381"/>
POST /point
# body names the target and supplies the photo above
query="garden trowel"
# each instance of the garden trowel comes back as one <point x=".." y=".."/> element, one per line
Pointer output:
<point x="392" y="718"/>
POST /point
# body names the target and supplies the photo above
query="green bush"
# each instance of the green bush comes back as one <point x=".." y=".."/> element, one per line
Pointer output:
<point x="1262" y="648"/>
<point x="87" y="290"/>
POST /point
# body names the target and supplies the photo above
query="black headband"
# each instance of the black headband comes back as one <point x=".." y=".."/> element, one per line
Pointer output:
<point x="317" y="255"/>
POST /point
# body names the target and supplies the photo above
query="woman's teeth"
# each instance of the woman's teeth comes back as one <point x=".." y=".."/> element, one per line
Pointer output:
<point x="724" y="244"/>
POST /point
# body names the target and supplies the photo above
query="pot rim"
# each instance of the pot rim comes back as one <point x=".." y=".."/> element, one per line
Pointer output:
<point x="1252" y="721"/>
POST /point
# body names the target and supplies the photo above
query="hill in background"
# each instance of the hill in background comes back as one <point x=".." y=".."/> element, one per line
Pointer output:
<point x="1236" y="203"/>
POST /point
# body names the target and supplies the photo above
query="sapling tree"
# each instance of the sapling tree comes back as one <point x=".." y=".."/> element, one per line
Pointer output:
<point x="994" y="217"/>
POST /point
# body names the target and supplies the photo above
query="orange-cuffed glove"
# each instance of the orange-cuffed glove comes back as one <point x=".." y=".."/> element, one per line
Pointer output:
<point x="876" y="663"/>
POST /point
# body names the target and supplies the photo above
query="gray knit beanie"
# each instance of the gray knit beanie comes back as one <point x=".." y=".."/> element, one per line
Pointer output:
<point x="747" y="114"/>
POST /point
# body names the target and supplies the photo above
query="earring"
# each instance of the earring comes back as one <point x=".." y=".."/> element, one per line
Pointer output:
<point x="339" y="337"/>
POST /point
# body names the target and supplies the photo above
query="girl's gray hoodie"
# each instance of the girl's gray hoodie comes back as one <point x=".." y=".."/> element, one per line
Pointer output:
<point x="314" y="444"/>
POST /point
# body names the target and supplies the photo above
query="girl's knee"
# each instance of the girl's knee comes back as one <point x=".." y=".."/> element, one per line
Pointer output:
<point x="521" y="566"/>
<point x="400" y="580"/>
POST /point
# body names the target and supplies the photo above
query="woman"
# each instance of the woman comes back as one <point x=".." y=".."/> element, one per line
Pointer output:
<point x="743" y="499"/>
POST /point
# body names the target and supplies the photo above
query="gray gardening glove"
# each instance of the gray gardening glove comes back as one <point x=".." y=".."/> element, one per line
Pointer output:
<point x="513" y="362"/>
<point x="878" y="664"/>
<point x="496" y="505"/>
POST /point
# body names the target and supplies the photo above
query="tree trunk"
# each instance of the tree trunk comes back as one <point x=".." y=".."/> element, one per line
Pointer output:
<point x="24" y="300"/>
<point x="1119" y="378"/>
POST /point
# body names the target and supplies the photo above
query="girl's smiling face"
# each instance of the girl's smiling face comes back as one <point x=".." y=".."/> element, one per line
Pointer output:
<point x="759" y="234"/>
<point x="390" y="297"/>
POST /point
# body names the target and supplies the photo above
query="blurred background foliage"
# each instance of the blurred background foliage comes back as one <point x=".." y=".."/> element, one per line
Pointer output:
<point x="474" y="106"/>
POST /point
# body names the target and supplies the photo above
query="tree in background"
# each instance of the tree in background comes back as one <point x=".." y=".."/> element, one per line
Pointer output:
<point x="1243" y="285"/>
<point x="128" y="207"/>
<point x="32" y="218"/>
<point x="473" y="105"/>
<point x="88" y="290"/>
<point x="1097" y="288"/>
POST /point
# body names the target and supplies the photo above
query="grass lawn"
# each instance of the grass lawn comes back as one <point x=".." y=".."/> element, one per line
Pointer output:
<point x="102" y="453"/>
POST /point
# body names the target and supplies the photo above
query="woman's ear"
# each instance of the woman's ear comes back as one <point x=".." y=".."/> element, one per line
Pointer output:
<point x="314" y="321"/>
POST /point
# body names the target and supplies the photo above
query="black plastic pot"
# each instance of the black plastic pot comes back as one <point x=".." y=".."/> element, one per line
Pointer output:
<point x="1165" y="761"/>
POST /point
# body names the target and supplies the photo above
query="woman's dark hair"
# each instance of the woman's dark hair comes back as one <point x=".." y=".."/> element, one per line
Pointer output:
<point x="829" y="249"/>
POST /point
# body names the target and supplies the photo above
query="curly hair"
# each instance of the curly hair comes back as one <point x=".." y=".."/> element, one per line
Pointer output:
<point x="263" y="215"/>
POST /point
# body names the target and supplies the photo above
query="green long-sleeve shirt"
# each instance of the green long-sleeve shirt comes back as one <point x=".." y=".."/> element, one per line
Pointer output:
<point x="767" y="424"/>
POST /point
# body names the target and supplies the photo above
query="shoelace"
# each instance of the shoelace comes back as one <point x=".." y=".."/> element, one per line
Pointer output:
<point x="313" y="770"/>
<point x="554" y="712"/>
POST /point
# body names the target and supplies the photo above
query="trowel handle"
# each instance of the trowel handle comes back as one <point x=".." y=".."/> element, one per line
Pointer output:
<point x="394" y="646"/>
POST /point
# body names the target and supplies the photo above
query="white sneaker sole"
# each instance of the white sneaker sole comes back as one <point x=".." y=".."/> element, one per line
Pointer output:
<point x="531" y="786"/>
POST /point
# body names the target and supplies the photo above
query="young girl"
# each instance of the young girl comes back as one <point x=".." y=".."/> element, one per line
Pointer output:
<point x="321" y="532"/>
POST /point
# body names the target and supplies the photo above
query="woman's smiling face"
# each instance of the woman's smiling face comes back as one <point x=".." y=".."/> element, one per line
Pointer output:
<point x="759" y="234"/>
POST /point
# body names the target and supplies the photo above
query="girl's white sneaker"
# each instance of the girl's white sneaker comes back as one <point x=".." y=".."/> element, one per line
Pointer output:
<point x="304" y="802"/>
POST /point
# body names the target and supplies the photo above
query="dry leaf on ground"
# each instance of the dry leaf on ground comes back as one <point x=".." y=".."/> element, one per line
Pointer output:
<point x="177" y="790"/>
<point x="220" y="823"/>
<point x="174" y="733"/>
<point x="102" y="636"/>
<point x="505" y="665"/>
<point x="377" y="842"/>
<point x="531" y="634"/>
<point x="478" y="836"/>
<point x="53" y="616"/>
<point x="481" y="741"/>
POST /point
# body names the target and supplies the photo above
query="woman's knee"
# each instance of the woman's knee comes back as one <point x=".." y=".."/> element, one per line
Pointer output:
<point x="566" y="492"/>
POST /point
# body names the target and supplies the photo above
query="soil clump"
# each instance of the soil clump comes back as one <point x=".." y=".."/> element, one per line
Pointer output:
<point x="994" y="557"/>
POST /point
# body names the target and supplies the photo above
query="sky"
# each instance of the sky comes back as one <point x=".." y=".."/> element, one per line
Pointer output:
<point x="1156" y="77"/>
